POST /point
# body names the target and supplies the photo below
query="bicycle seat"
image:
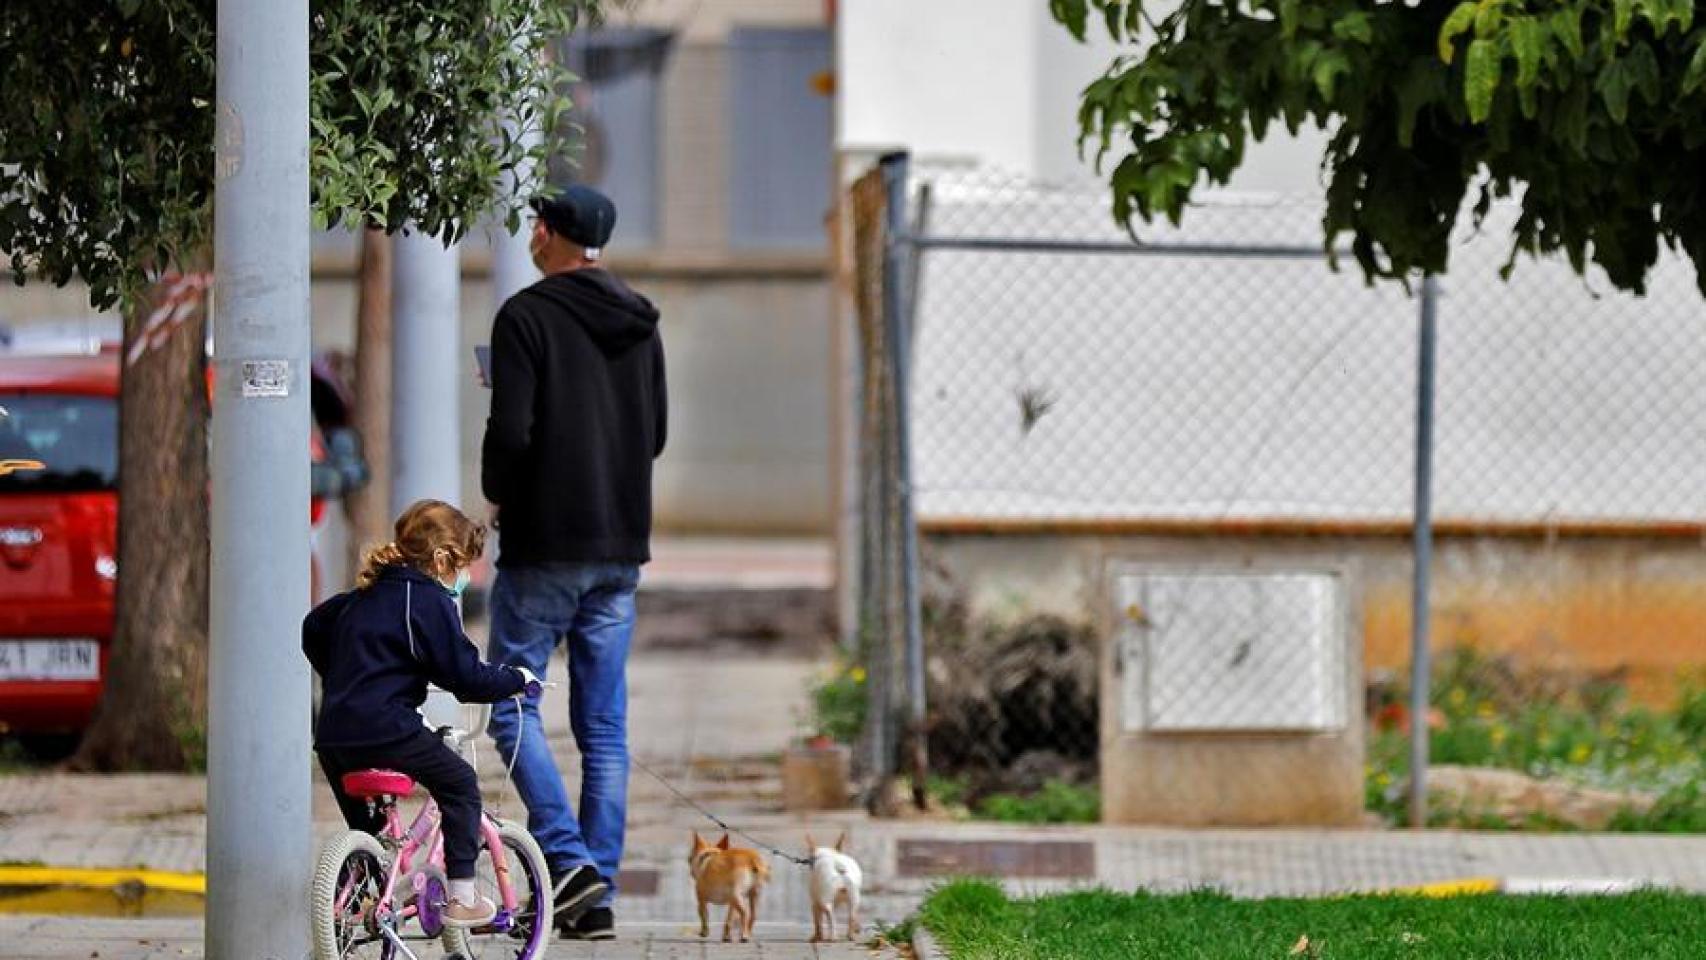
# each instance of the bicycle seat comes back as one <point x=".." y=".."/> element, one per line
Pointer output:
<point x="373" y="784"/>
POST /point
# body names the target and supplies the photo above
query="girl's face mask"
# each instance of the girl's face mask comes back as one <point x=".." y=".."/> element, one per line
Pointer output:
<point x="461" y="584"/>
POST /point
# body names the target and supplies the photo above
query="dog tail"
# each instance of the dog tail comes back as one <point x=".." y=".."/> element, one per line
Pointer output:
<point x="763" y="869"/>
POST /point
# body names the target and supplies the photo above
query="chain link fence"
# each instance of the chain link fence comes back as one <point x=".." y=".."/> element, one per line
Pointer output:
<point x="1166" y="487"/>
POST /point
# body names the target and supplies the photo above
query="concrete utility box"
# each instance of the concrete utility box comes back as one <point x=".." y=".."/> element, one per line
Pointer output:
<point x="1234" y="696"/>
<point x="816" y="778"/>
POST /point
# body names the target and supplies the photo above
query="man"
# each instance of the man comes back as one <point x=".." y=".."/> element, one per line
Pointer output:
<point x="578" y="415"/>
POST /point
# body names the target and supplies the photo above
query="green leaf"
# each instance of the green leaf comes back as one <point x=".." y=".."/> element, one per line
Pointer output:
<point x="1481" y="77"/>
<point x="1696" y="75"/>
<point x="1072" y="14"/>
<point x="1289" y="18"/>
<point x="1328" y="67"/>
<point x="1424" y="83"/>
<point x="1489" y="16"/>
<point x="1357" y="26"/>
<point x="1567" y="26"/>
<point x="1644" y="72"/>
<point x="1613" y="86"/>
<point x="1459" y="22"/>
<point x="1623" y="13"/>
<point x="1529" y="41"/>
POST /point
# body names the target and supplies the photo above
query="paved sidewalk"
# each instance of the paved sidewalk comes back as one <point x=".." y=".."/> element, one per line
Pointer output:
<point x="714" y="725"/>
<point x="105" y="938"/>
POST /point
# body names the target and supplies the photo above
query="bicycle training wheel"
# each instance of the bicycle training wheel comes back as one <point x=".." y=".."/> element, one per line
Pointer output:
<point x="349" y="881"/>
<point x="531" y="879"/>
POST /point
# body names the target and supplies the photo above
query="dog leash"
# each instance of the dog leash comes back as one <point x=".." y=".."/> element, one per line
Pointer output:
<point x="684" y="798"/>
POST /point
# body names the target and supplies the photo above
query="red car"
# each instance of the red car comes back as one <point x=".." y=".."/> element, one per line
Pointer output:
<point x="58" y="532"/>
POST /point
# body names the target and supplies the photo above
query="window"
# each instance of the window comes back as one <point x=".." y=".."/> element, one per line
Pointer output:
<point x="74" y="437"/>
<point x="616" y="104"/>
<point x="780" y="126"/>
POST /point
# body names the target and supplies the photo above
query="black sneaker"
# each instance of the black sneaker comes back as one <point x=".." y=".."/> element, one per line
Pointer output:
<point x="575" y="892"/>
<point x="595" y="924"/>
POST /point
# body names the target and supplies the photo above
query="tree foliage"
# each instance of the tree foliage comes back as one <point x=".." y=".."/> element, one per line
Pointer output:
<point x="107" y="175"/>
<point x="1589" y="112"/>
<point x="106" y="129"/>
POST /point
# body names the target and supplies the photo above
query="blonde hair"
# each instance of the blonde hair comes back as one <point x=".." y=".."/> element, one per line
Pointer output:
<point x="433" y="537"/>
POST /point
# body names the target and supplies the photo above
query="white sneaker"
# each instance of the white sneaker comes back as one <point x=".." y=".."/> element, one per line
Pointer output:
<point x="477" y="914"/>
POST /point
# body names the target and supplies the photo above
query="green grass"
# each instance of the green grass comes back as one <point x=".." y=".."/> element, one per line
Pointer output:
<point x="974" y="920"/>
<point x="1490" y="712"/>
<point x="1056" y="802"/>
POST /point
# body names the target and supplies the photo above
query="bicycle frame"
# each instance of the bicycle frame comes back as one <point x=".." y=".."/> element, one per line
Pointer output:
<point x="425" y="834"/>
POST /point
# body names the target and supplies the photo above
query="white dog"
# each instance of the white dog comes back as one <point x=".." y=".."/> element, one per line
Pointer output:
<point x="836" y="879"/>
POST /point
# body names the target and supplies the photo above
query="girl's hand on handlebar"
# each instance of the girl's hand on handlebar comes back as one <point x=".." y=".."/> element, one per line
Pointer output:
<point x="532" y="686"/>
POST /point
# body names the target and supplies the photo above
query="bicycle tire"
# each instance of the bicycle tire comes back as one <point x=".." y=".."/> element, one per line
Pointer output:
<point x="526" y="862"/>
<point x="328" y="941"/>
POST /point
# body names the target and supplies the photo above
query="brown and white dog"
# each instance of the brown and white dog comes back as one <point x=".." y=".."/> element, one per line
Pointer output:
<point x="727" y="876"/>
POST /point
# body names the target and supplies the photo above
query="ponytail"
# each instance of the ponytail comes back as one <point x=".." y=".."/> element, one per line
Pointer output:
<point x="376" y="559"/>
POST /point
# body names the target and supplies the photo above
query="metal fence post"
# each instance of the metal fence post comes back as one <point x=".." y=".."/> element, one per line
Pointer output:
<point x="895" y="303"/>
<point x="259" y="851"/>
<point x="1424" y="548"/>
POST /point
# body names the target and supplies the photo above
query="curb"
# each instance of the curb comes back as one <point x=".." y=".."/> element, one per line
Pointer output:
<point x="1525" y="886"/>
<point x="924" y="946"/>
<point x="1466" y="887"/>
<point x="17" y="876"/>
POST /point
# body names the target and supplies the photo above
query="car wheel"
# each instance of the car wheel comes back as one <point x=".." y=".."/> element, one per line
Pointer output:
<point x="49" y="747"/>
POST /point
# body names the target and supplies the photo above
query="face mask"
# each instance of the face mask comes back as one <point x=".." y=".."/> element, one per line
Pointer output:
<point x="462" y="579"/>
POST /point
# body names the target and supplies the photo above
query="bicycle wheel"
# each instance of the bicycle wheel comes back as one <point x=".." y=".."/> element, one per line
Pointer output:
<point x="531" y="879"/>
<point x="349" y="881"/>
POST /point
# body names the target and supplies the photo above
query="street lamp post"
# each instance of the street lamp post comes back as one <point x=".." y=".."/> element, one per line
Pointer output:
<point x="258" y="837"/>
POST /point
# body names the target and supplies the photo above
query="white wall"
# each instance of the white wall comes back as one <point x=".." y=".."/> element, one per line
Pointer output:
<point x="947" y="78"/>
<point x="996" y="82"/>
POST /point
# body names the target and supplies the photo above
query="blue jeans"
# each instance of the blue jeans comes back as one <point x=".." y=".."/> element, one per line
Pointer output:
<point x="591" y="607"/>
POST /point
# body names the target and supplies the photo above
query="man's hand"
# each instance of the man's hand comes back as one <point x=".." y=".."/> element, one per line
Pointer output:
<point x="492" y="511"/>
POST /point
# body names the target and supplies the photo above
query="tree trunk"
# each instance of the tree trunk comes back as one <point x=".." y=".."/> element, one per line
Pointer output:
<point x="153" y="711"/>
<point x="369" y="509"/>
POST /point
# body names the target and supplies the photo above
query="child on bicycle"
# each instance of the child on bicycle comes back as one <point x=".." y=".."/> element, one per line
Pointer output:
<point x="376" y="648"/>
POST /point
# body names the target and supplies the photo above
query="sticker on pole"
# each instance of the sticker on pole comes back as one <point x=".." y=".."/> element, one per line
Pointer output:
<point x="266" y="378"/>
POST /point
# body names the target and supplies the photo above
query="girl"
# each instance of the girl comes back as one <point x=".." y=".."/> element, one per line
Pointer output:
<point x="376" y="648"/>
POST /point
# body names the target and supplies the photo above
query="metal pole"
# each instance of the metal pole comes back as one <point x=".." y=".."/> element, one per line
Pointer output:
<point x="915" y="261"/>
<point x="425" y="375"/>
<point x="1419" y="618"/>
<point x="512" y="261"/>
<point x="259" y="844"/>
<point x="895" y="303"/>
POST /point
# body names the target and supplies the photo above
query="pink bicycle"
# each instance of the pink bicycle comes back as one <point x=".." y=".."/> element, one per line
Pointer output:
<point x="372" y="896"/>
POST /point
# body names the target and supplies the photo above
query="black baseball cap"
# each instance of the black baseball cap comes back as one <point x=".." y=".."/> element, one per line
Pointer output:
<point x="579" y="214"/>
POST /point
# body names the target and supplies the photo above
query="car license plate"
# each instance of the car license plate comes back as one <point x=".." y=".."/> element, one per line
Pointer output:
<point x="50" y="660"/>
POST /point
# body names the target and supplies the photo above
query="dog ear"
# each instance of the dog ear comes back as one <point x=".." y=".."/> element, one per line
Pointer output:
<point x="698" y="841"/>
<point x="811" y="845"/>
<point x="841" y="843"/>
<point x="723" y="844"/>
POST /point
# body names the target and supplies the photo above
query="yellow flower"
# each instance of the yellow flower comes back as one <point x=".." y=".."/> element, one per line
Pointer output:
<point x="1498" y="734"/>
<point x="1580" y="753"/>
<point x="858" y="674"/>
<point x="1458" y="698"/>
<point x="1484" y="711"/>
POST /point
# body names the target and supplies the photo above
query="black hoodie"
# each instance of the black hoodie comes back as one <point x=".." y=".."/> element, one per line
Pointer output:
<point x="578" y="414"/>
<point x="376" y="648"/>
